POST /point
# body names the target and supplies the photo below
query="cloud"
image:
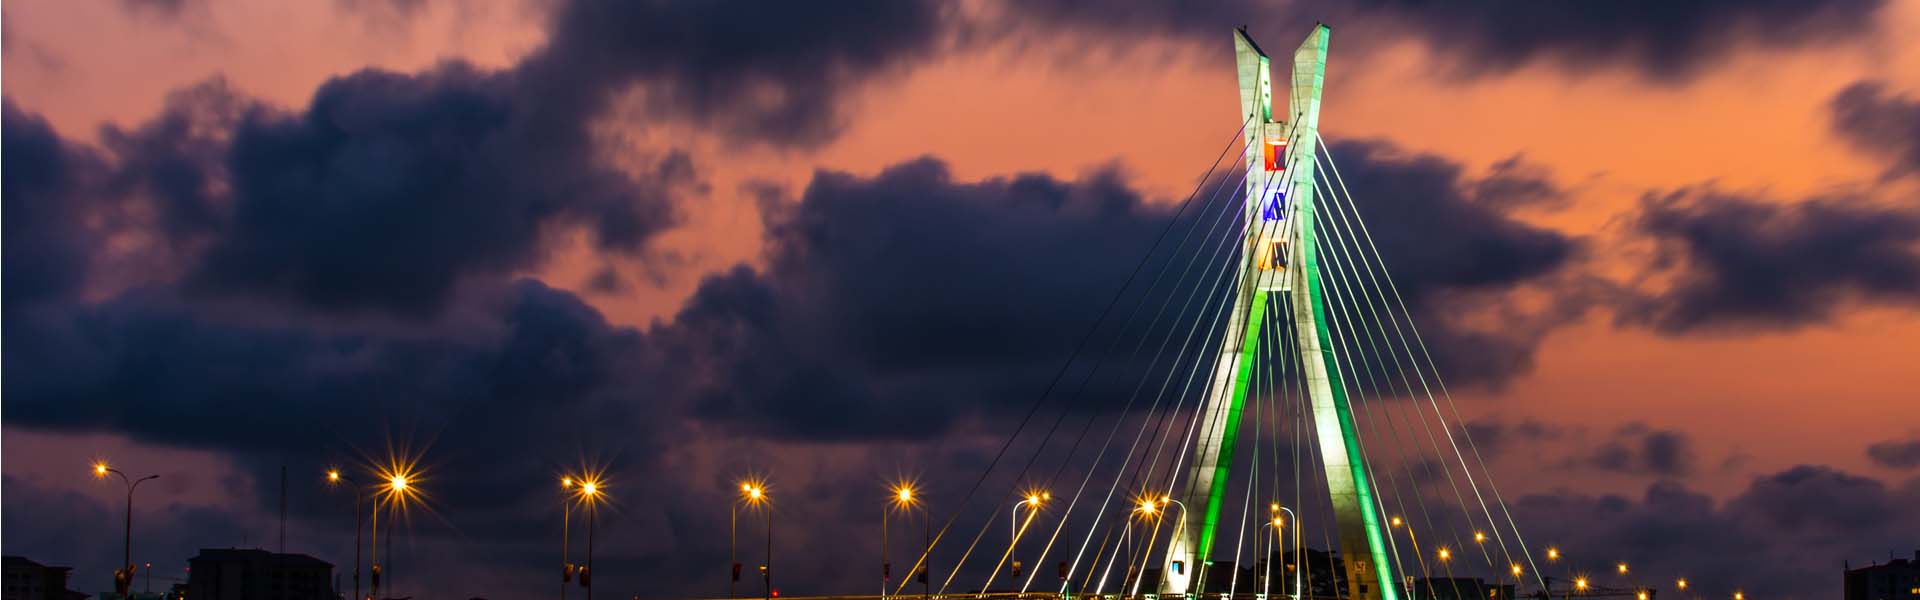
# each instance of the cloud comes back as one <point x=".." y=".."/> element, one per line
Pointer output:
<point x="756" y="72"/>
<point x="1661" y="41"/>
<point x="49" y="188"/>
<point x="1873" y="119"/>
<point x="495" y="393"/>
<point x="1639" y="449"/>
<point x="1782" y="518"/>
<point x="1895" y="454"/>
<point x="1493" y="437"/>
<point x="390" y="189"/>
<point x="898" y="304"/>
<point x="1737" y="263"/>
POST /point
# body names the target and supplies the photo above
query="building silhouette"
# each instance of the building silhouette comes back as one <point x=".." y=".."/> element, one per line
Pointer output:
<point x="1899" y="579"/>
<point x="24" y="579"/>
<point x="254" y="574"/>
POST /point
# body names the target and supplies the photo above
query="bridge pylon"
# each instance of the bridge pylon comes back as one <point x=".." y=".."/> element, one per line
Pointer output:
<point x="1279" y="256"/>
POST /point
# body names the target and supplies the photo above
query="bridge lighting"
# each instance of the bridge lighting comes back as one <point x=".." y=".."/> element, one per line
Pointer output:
<point x="753" y="491"/>
<point x="1146" y="507"/>
<point x="1396" y="522"/>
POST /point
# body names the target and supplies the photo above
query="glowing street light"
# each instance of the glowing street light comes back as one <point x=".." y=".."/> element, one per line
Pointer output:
<point x="753" y="492"/>
<point x="902" y="500"/>
<point x="590" y="494"/>
<point x="1581" y="584"/>
<point x="123" y="576"/>
<point x="1479" y="537"/>
<point x="1738" y="595"/>
<point x="1553" y="554"/>
<point x="1622" y="567"/>
<point x="1445" y="554"/>
<point x="1682" y="583"/>
<point x="1032" y="502"/>
<point x="567" y="484"/>
<point x="335" y="478"/>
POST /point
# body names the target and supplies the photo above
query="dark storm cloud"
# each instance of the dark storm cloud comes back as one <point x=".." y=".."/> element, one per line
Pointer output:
<point x="758" y="72"/>
<point x="1895" y="454"/>
<point x="1874" y="119"/>
<point x="390" y="189"/>
<point x="1445" y="237"/>
<point x="1641" y="450"/>
<point x="895" y="304"/>
<point x="1804" y="521"/>
<point x="499" y="394"/>
<point x="1739" y="263"/>
<point x="1494" y="437"/>
<point x="1667" y="41"/>
<point x="50" y="186"/>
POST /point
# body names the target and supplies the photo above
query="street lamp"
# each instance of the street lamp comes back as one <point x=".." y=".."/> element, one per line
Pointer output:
<point x="754" y="493"/>
<point x="590" y="493"/>
<point x="1276" y="509"/>
<point x="1412" y="538"/>
<point x="123" y="577"/>
<point x="335" y="478"/>
<point x="399" y="487"/>
<point x="566" y="532"/>
<point x="1032" y="502"/>
<point x="902" y="500"/>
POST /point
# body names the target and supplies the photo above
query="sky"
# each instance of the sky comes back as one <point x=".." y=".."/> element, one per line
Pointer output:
<point x="1669" y="254"/>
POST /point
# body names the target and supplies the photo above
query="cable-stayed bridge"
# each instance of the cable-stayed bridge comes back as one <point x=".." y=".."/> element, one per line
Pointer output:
<point x="1273" y="421"/>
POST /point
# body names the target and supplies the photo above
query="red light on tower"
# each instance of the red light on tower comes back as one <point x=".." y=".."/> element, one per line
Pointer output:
<point x="1275" y="150"/>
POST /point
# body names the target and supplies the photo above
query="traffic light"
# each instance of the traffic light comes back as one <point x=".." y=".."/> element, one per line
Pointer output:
<point x="1016" y="568"/>
<point x="763" y="571"/>
<point x="376" y="575"/>
<point x="1063" y="570"/>
<point x="566" y="573"/>
<point x="736" y="571"/>
<point x="586" y="577"/>
<point x="922" y="576"/>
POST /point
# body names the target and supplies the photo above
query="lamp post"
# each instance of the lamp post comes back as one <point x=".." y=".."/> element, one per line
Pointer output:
<point x="590" y="493"/>
<point x="902" y="499"/>
<point x="1198" y="578"/>
<point x="753" y="494"/>
<point x="1032" y="502"/>
<point x="123" y="577"/>
<point x="335" y="478"/>
<point x="1277" y="524"/>
<point x="397" y="489"/>
<point x="566" y="533"/>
